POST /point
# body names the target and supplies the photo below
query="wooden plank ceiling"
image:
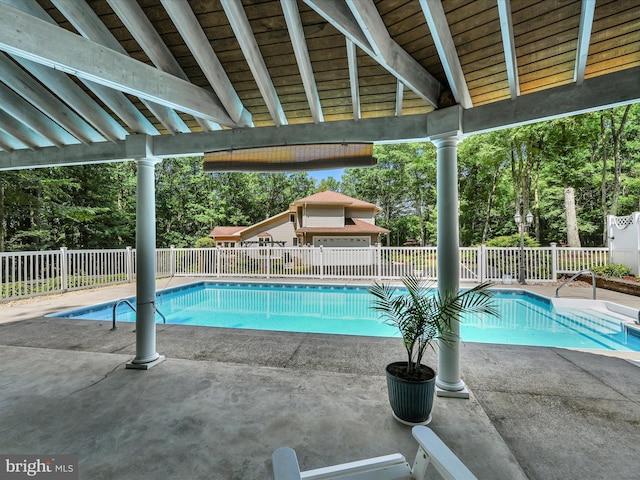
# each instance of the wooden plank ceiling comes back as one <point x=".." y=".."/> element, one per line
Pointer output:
<point x="348" y="60"/>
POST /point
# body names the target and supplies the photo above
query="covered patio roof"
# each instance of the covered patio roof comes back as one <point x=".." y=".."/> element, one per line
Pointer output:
<point x="110" y="80"/>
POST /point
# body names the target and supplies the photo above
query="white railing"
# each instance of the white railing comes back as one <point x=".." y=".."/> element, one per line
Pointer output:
<point x="25" y="274"/>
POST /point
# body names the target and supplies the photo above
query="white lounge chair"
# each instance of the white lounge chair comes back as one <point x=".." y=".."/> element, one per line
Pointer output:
<point x="388" y="467"/>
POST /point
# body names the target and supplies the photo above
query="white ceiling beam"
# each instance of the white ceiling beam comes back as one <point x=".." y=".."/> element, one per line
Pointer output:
<point x="36" y="40"/>
<point x="33" y="92"/>
<point x="396" y="60"/>
<point x="352" y="59"/>
<point x="399" y="98"/>
<point x="584" y="38"/>
<point x="24" y="134"/>
<point x="597" y="93"/>
<point x="114" y="100"/>
<point x="132" y="16"/>
<point x="339" y="15"/>
<point x="367" y="17"/>
<point x="189" y="28"/>
<point x="299" y="42"/>
<point x="71" y="93"/>
<point x="244" y="35"/>
<point x="441" y="35"/>
<point x="24" y="112"/>
<point x="509" y="47"/>
<point x="566" y="100"/>
<point x="9" y="143"/>
<point x="85" y="21"/>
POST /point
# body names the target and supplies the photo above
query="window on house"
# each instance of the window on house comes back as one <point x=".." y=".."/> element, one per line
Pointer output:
<point x="295" y="241"/>
<point x="292" y="217"/>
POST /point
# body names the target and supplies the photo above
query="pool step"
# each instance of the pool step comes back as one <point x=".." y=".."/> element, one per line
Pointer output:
<point x="583" y="318"/>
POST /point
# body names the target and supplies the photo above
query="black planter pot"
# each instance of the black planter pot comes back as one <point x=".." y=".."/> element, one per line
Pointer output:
<point x="411" y="401"/>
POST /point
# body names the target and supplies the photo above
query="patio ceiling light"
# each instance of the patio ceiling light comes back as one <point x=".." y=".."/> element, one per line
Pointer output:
<point x="289" y="158"/>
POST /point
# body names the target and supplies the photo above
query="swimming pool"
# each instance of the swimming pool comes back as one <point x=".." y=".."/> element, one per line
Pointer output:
<point x="526" y="318"/>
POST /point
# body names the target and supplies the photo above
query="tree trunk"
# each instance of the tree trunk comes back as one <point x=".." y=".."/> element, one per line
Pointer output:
<point x="573" y="238"/>
<point x="494" y="185"/>
<point x="616" y="135"/>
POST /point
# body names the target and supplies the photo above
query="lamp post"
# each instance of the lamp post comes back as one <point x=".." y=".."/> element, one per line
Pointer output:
<point x="521" y="226"/>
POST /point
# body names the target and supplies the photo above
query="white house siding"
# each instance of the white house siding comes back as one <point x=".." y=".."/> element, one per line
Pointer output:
<point x="324" y="216"/>
<point x="280" y="232"/>
<point x="364" y="215"/>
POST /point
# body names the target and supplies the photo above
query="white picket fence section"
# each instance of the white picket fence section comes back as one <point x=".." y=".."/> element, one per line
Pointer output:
<point x="24" y="274"/>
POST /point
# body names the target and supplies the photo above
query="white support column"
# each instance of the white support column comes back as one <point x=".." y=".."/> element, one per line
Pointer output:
<point x="448" y="381"/>
<point x="146" y="355"/>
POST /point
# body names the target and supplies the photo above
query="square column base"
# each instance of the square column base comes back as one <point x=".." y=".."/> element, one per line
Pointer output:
<point x="145" y="366"/>
<point x="441" y="392"/>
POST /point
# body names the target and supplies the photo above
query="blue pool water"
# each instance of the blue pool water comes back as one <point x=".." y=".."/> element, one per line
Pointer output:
<point x="526" y="319"/>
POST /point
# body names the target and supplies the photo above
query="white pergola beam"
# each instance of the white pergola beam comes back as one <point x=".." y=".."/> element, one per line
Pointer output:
<point x="189" y="28"/>
<point x="244" y="35"/>
<point x="85" y="20"/>
<point x="9" y="143"/>
<point x="339" y="15"/>
<point x="299" y="43"/>
<point x="118" y="103"/>
<point x="132" y="16"/>
<point x="30" y="116"/>
<point x="25" y="135"/>
<point x="399" y="98"/>
<point x="367" y="16"/>
<point x="33" y="92"/>
<point x="441" y="34"/>
<point x="66" y="89"/>
<point x="395" y="60"/>
<point x="566" y="100"/>
<point x="509" y="47"/>
<point x="597" y="93"/>
<point x="584" y="38"/>
<point x="37" y="40"/>
<point x="352" y="58"/>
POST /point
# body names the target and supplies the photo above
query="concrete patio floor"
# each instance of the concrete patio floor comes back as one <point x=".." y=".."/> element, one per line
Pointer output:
<point x="224" y="400"/>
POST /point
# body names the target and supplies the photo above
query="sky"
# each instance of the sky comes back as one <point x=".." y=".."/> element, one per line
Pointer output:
<point x="321" y="174"/>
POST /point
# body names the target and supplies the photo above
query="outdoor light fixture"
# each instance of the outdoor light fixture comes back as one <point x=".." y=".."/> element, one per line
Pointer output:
<point x="521" y="226"/>
<point x="291" y="158"/>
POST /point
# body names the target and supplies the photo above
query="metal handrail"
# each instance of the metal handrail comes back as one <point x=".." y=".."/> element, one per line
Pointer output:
<point x="593" y="281"/>
<point x="127" y="302"/>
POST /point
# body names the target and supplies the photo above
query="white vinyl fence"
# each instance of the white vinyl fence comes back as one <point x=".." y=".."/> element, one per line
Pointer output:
<point x="25" y="274"/>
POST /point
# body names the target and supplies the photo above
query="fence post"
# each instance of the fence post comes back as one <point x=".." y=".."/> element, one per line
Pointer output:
<point x="554" y="261"/>
<point x="482" y="262"/>
<point x="378" y="260"/>
<point x="172" y="261"/>
<point x="321" y="262"/>
<point x="268" y="260"/>
<point x="64" y="273"/>
<point x="129" y="263"/>
<point x="218" y="261"/>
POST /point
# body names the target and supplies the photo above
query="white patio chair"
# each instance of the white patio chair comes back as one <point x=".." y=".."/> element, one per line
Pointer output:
<point x="388" y="467"/>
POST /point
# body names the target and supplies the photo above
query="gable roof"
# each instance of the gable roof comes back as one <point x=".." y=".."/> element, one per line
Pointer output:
<point x="359" y="226"/>
<point x="333" y="198"/>
<point x="222" y="231"/>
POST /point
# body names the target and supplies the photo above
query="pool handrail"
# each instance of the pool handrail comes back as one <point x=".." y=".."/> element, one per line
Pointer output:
<point x="127" y="302"/>
<point x="593" y="281"/>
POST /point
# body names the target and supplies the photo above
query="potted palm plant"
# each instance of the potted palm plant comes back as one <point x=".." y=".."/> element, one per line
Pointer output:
<point x="422" y="316"/>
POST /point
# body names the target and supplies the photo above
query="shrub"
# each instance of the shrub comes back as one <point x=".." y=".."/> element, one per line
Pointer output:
<point x="613" y="270"/>
<point x="512" y="241"/>
<point x="205" y="242"/>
